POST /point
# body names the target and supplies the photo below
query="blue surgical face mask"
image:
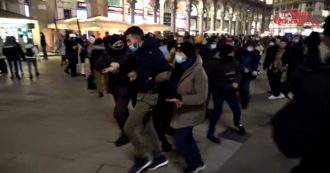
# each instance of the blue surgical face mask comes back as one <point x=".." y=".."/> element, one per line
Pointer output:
<point x="179" y="59"/>
<point x="133" y="47"/>
<point x="213" y="46"/>
<point x="296" y="40"/>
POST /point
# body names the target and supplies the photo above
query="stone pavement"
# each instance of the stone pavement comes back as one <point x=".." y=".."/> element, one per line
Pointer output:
<point x="55" y="125"/>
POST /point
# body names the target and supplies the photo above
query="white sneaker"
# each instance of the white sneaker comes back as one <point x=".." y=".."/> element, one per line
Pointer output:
<point x="272" y="97"/>
<point x="199" y="169"/>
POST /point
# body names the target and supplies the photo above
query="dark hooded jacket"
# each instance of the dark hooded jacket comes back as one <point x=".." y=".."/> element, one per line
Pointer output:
<point x="149" y="61"/>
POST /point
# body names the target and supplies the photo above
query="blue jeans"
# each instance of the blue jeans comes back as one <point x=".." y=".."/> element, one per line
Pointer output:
<point x="244" y="91"/>
<point x="185" y="143"/>
<point x="218" y="102"/>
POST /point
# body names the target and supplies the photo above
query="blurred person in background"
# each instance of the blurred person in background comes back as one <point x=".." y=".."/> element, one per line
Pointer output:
<point x="98" y="62"/>
<point x="43" y="44"/>
<point x="13" y="52"/>
<point x="301" y="129"/>
<point x="3" y="65"/>
<point x="31" y="56"/>
<point x="71" y="46"/>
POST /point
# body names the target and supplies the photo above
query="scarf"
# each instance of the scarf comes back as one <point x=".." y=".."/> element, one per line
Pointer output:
<point x="177" y="74"/>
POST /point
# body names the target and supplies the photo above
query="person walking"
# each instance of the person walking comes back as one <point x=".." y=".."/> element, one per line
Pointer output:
<point x="98" y="62"/>
<point x="71" y="46"/>
<point x="31" y="55"/>
<point x="224" y="77"/>
<point x="139" y="128"/>
<point x="43" y="44"/>
<point x="123" y="91"/>
<point x="3" y="65"/>
<point x="249" y="69"/>
<point x="275" y="64"/>
<point x="61" y="49"/>
<point x="13" y="52"/>
<point x="300" y="129"/>
<point x="189" y="88"/>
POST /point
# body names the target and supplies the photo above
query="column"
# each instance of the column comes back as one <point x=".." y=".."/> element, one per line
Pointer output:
<point x="173" y="15"/>
<point x="188" y="10"/>
<point x="132" y="10"/>
<point x="263" y="20"/>
<point x="200" y="21"/>
<point x="125" y="10"/>
<point x="97" y="8"/>
<point x="249" y="26"/>
<point x="222" y="20"/>
<point x="156" y="7"/>
<point x="256" y="21"/>
<point x="230" y="17"/>
<point x="212" y="28"/>
<point x="237" y="28"/>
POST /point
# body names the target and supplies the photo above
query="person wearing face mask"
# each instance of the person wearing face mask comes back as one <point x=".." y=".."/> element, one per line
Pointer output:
<point x="202" y="49"/>
<point x="301" y="128"/>
<point x="275" y="64"/>
<point x="189" y="90"/>
<point x="224" y="77"/>
<point x="149" y="62"/>
<point x="249" y="69"/>
<point x="122" y="90"/>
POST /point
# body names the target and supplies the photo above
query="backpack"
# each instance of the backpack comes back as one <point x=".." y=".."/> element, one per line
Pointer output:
<point x="29" y="52"/>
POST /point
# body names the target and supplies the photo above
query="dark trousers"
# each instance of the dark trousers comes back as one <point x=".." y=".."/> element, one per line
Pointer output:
<point x="3" y="66"/>
<point x="20" y="65"/>
<point x="275" y="82"/>
<point x="33" y="62"/>
<point x="185" y="143"/>
<point x="218" y="102"/>
<point x="244" y="91"/>
<point x="122" y="97"/>
<point x="44" y="50"/>
<point x="73" y="60"/>
<point x="16" y="66"/>
<point x="162" y="119"/>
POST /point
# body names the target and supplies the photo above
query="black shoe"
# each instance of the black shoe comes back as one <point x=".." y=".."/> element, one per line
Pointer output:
<point x="166" y="147"/>
<point x="19" y="78"/>
<point x="74" y="75"/>
<point x="12" y="77"/>
<point x="214" y="139"/>
<point x="244" y="106"/>
<point x="140" y="165"/>
<point x="37" y="74"/>
<point x="122" y="140"/>
<point x="101" y="95"/>
<point x="66" y="71"/>
<point x="158" y="162"/>
<point x="83" y="75"/>
<point x="241" y="129"/>
<point x="197" y="169"/>
<point x="31" y="77"/>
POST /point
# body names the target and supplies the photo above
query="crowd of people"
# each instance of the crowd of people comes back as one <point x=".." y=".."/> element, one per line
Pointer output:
<point x="170" y="80"/>
<point x="17" y="51"/>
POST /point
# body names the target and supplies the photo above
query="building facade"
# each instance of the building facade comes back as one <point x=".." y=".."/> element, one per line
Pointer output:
<point x="298" y="17"/>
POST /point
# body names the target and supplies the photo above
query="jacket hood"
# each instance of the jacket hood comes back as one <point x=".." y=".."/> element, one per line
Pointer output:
<point x="99" y="47"/>
<point x="149" y="42"/>
<point x="29" y="45"/>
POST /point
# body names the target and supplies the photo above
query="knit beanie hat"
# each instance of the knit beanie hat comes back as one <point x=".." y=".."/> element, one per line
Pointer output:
<point x="187" y="48"/>
<point x="114" y="38"/>
<point x="326" y="27"/>
<point x="225" y="50"/>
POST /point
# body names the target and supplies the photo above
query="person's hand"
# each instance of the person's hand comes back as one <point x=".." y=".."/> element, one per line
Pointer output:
<point x="235" y="85"/>
<point x="109" y="69"/>
<point x="115" y="65"/>
<point x="132" y="76"/>
<point x="255" y="73"/>
<point x="176" y="101"/>
<point x="173" y="51"/>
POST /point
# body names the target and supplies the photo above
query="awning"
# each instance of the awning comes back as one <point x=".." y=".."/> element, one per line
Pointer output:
<point x="152" y="27"/>
<point x="98" y="23"/>
<point x="11" y="17"/>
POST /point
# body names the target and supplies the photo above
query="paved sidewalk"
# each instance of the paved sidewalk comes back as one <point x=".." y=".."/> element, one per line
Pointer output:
<point x="55" y="125"/>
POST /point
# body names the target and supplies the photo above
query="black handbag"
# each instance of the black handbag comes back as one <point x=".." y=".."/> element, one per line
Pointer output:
<point x="91" y="84"/>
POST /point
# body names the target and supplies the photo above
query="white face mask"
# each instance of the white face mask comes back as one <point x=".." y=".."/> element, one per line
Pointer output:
<point x="271" y="43"/>
<point x="324" y="53"/>
<point x="250" y="48"/>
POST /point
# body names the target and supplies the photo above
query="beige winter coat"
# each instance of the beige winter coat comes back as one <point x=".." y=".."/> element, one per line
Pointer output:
<point x="193" y="88"/>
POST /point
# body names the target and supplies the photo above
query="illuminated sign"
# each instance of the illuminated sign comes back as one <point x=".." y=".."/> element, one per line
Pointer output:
<point x="294" y="17"/>
<point x="81" y="4"/>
